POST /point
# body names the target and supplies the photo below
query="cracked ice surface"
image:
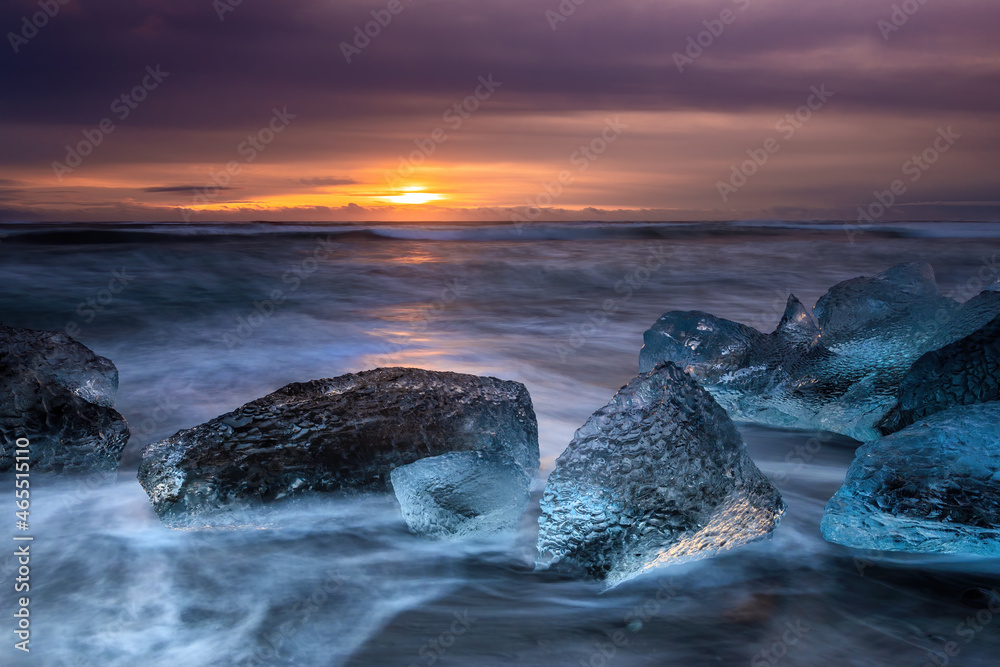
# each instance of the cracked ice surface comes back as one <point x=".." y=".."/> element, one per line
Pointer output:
<point x="932" y="487"/>
<point x="658" y="475"/>
<point x="962" y="373"/>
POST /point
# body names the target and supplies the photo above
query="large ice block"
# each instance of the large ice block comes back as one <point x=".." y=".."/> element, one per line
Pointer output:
<point x="342" y="434"/>
<point x="840" y="372"/>
<point x="59" y="395"/>
<point x="659" y="475"/>
<point x="932" y="487"/>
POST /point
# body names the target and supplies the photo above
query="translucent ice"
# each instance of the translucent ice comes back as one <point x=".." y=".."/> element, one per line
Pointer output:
<point x="461" y="493"/>
<point x="61" y="396"/>
<point x="839" y="372"/>
<point x="962" y="373"/>
<point x="932" y="487"/>
<point x="340" y="434"/>
<point x="659" y="475"/>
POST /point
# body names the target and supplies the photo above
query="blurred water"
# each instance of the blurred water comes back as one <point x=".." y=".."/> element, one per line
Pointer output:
<point x="200" y="329"/>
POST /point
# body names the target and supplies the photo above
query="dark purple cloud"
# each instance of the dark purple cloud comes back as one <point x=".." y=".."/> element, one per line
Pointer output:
<point x="609" y="55"/>
<point x="224" y="78"/>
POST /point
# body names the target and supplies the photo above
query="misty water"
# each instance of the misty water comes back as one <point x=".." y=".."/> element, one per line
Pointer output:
<point x="204" y="318"/>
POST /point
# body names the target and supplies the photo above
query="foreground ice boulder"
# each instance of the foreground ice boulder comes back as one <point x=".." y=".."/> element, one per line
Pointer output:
<point x="838" y="372"/>
<point x="962" y="373"/>
<point x="658" y="475"/>
<point x="462" y="493"/>
<point x="60" y="395"/>
<point x="342" y="434"/>
<point x="932" y="487"/>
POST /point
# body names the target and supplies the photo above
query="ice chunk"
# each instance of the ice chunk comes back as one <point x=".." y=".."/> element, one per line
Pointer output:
<point x="462" y="493"/>
<point x="932" y="487"/>
<point x="797" y="328"/>
<point x="340" y="434"/>
<point x="755" y="377"/>
<point x="659" y="475"/>
<point x="61" y="396"/>
<point x="873" y="316"/>
<point x="840" y="373"/>
<point x="962" y="373"/>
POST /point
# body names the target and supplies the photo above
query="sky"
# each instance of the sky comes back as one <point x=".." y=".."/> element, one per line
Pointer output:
<point x="204" y="110"/>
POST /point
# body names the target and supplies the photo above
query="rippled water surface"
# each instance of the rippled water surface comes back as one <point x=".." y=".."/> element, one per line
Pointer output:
<point x="210" y="317"/>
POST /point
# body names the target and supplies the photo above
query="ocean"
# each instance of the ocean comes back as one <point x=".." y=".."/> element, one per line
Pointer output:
<point x="201" y="318"/>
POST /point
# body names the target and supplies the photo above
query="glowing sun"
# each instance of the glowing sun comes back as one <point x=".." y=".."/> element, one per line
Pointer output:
<point x="413" y="195"/>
